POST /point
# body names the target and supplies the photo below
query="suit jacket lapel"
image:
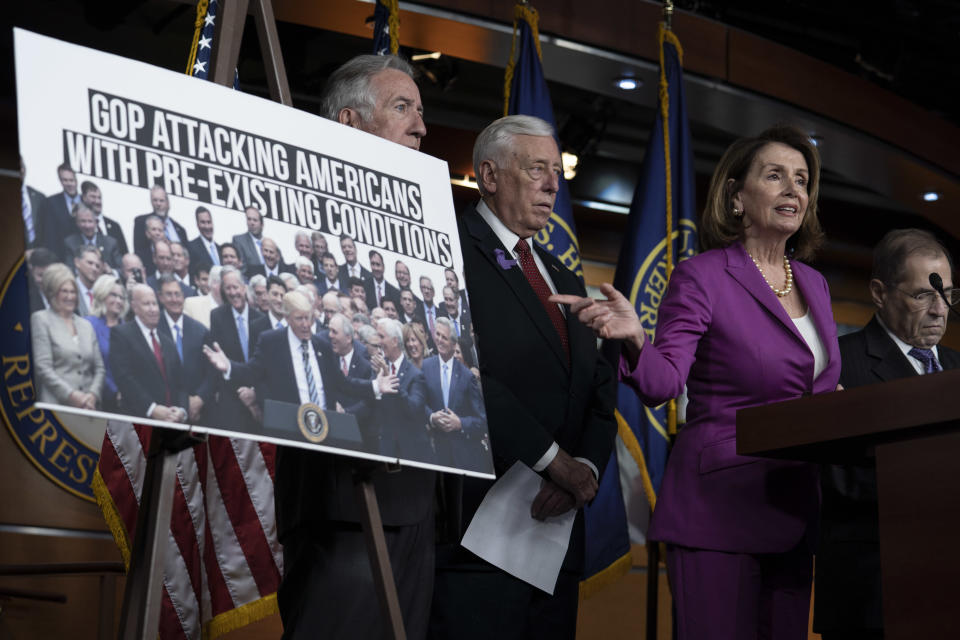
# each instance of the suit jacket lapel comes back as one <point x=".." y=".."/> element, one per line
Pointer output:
<point x="890" y="363"/>
<point x="487" y="243"/>
<point x="143" y="344"/>
<point x="741" y="268"/>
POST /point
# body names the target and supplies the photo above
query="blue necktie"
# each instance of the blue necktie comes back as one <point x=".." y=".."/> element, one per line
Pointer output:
<point x="279" y="324"/>
<point x="445" y="385"/>
<point x="311" y="385"/>
<point x="27" y="215"/>
<point x="213" y="254"/>
<point x="930" y="364"/>
<point x="176" y="330"/>
<point x="242" y="331"/>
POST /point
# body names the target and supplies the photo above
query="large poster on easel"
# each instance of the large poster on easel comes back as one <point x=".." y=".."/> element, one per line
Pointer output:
<point x="339" y="321"/>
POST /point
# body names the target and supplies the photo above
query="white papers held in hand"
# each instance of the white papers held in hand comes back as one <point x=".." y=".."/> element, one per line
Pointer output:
<point x="504" y="533"/>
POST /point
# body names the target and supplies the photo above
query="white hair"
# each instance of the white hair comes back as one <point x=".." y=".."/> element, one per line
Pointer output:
<point x="494" y="141"/>
<point x="393" y="328"/>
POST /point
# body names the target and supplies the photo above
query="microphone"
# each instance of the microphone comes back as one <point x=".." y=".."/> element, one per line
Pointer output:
<point x="937" y="283"/>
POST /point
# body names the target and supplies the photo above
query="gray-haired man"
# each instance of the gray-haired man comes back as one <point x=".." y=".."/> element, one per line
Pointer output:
<point x="327" y="584"/>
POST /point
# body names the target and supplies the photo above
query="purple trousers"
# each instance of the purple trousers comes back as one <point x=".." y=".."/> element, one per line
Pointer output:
<point x="740" y="596"/>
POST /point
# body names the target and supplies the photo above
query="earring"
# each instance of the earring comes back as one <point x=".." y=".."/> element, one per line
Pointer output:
<point x="737" y="213"/>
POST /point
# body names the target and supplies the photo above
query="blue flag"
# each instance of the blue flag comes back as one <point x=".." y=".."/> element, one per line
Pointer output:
<point x="528" y="95"/>
<point x="607" y="540"/>
<point x="643" y="269"/>
<point x="381" y="26"/>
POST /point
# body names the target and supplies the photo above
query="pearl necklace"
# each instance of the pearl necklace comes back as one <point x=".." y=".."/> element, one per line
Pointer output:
<point x="787" y="286"/>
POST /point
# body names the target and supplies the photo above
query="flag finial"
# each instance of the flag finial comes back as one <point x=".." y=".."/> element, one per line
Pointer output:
<point x="668" y="13"/>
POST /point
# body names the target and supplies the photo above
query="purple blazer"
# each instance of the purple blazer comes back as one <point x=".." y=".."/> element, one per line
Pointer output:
<point x="723" y="333"/>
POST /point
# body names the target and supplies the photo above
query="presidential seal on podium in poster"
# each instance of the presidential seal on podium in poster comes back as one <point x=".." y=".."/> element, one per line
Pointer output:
<point x="312" y="422"/>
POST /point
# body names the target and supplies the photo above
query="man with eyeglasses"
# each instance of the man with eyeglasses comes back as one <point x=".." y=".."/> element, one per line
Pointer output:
<point x="549" y="394"/>
<point x="902" y="339"/>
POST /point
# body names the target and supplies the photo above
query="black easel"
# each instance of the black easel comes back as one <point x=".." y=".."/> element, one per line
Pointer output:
<point x="141" y="601"/>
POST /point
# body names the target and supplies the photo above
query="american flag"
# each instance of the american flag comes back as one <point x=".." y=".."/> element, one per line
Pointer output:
<point x="223" y="563"/>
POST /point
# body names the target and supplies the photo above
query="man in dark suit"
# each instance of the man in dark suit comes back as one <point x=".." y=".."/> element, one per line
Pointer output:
<point x="456" y="312"/>
<point x="409" y="310"/>
<point x="453" y="281"/>
<point x="351" y="267"/>
<point x="87" y="234"/>
<point x="181" y="267"/>
<point x="203" y="250"/>
<point x="327" y="587"/>
<point x="549" y="394"/>
<point x="88" y="266"/>
<point x="902" y="339"/>
<point x="234" y="326"/>
<point x="230" y="257"/>
<point x="173" y="230"/>
<point x="188" y="337"/>
<point x="152" y="233"/>
<point x="353" y="364"/>
<point x="163" y="260"/>
<point x="145" y="365"/>
<point x="55" y="221"/>
<point x="272" y="265"/>
<point x="249" y="244"/>
<point x="454" y="407"/>
<point x="90" y="195"/>
<point x="402" y="273"/>
<point x="31" y="201"/>
<point x="330" y="278"/>
<point x="400" y="418"/>
<point x="428" y="308"/>
<point x="40" y="258"/>
<point x="376" y="286"/>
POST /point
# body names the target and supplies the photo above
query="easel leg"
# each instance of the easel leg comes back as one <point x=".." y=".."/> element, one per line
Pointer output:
<point x="653" y="588"/>
<point x="379" y="558"/>
<point x="140" y="616"/>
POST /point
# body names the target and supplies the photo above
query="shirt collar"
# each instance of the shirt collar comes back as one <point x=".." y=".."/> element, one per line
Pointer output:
<point x="243" y="314"/>
<point x="508" y="238"/>
<point x="171" y="322"/>
<point x="903" y="346"/>
<point x="143" y="328"/>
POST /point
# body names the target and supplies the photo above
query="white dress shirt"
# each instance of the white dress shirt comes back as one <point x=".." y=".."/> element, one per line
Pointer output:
<point x="296" y="355"/>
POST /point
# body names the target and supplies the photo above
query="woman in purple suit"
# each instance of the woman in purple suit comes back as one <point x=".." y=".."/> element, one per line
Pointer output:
<point x="744" y="323"/>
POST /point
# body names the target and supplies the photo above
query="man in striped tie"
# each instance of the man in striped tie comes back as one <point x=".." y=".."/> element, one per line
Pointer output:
<point x="902" y="339"/>
<point x="327" y="586"/>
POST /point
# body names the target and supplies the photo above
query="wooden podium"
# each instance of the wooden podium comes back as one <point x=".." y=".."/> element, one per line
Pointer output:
<point x="913" y="427"/>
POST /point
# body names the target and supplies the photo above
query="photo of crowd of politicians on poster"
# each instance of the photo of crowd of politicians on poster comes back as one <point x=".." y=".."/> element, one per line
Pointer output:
<point x="197" y="267"/>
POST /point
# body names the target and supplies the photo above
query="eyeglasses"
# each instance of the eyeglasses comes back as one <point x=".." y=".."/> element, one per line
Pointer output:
<point x="928" y="298"/>
<point x="538" y="171"/>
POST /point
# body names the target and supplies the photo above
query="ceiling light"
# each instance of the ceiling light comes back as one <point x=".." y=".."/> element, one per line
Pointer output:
<point x="570" y="162"/>
<point x="425" y="56"/>
<point x="627" y="83"/>
<point x="931" y="196"/>
<point x="465" y="182"/>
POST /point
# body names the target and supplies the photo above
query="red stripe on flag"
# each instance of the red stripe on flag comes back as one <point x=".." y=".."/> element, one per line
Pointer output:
<point x="220" y="599"/>
<point x="246" y="523"/>
<point x="118" y="484"/>
<point x="169" y="627"/>
<point x="184" y="534"/>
